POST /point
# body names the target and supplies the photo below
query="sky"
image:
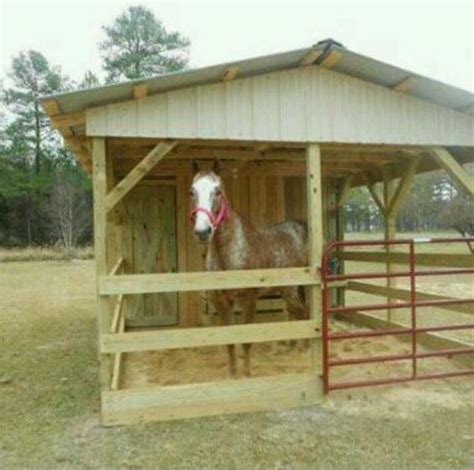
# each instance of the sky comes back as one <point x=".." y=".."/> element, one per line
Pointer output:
<point x="429" y="37"/>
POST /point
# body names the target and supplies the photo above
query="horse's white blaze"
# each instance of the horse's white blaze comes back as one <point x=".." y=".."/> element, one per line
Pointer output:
<point x="204" y="188"/>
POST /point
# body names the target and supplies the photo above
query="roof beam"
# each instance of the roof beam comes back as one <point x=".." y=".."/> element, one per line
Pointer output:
<point x="229" y="74"/>
<point x="405" y="85"/>
<point x="140" y="91"/>
<point x="51" y="107"/>
<point x="61" y="121"/>
<point x="311" y="57"/>
<point x="331" y="59"/>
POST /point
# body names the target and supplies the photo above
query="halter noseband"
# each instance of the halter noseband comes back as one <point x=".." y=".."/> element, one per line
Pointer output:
<point x="215" y="220"/>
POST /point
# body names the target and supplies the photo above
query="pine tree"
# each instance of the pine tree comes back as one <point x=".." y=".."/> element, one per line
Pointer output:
<point x="137" y="45"/>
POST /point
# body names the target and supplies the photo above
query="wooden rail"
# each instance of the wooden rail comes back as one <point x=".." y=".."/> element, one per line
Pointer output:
<point x="209" y="398"/>
<point x="195" y="281"/>
<point x="404" y="294"/>
<point x="430" y="340"/>
<point x="422" y="259"/>
<point x="208" y="336"/>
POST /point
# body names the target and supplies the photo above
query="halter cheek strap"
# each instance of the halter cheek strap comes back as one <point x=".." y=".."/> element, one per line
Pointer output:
<point x="215" y="220"/>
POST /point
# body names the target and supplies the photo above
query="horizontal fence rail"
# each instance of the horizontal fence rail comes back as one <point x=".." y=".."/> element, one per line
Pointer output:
<point x="215" y="280"/>
<point x="208" y="336"/>
<point x="410" y="299"/>
<point x="209" y="398"/>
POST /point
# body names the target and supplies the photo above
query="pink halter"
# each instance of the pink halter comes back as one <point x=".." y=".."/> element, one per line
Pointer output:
<point x="215" y="220"/>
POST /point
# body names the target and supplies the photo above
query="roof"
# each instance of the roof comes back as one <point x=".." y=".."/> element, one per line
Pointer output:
<point x="349" y="63"/>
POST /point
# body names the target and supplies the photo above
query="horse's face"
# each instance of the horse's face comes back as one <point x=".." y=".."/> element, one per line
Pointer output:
<point x="207" y="199"/>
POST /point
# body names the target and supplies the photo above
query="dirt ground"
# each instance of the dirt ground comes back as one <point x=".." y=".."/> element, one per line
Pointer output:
<point x="49" y="398"/>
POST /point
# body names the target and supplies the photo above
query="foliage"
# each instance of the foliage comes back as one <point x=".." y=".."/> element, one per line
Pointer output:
<point x="138" y="45"/>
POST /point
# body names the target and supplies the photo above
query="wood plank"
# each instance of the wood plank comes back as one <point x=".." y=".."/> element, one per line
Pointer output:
<point x="140" y="170"/>
<point x="430" y="340"/>
<point x="211" y="398"/>
<point x="229" y="74"/>
<point x="51" y="107"/>
<point x="99" y="185"/>
<point x="404" y="294"/>
<point x="311" y="57"/>
<point x="460" y="176"/>
<point x="448" y="260"/>
<point x="332" y="59"/>
<point x="344" y="193"/>
<point x="216" y="280"/>
<point x="118" y="314"/>
<point x="140" y="91"/>
<point x="314" y="190"/>
<point x="118" y="359"/>
<point x="405" y="85"/>
<point x="403" y="187"/>
<point x="208" y="336"/>
<point x="117" y="266"/>
<point x="60" y="121"/>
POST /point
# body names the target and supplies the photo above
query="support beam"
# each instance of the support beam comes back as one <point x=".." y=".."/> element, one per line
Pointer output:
<point x="140" y="91"/>
<point x="344" y="193"/>
<point x="140" y="170"/>
<point x="375" y="196"/>
<point x="315" y="243"/>
<point x="403" y="187"/>
<point x="229" y="74"/>
<point x="51" y="107"/>
<point x="62" y="121"/>
<point x="460" y="176"/>
<point x="311" y="57"/>
<point x="390" y="233"/>
<point x="406" y="85"/>
<point x="100" y="243"/>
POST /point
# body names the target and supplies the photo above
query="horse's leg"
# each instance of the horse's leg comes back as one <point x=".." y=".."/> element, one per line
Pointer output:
<point x="224" y="307"/>
<point x="248" y="306"/>
<point x="295" y="305"/>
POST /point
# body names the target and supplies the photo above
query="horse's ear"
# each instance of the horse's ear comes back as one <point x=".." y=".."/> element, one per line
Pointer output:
<point x="217" y="166"/>
<point x="195" y="166"/>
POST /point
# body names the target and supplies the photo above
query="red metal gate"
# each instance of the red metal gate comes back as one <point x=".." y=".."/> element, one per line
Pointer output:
<point x="328" y="280"/>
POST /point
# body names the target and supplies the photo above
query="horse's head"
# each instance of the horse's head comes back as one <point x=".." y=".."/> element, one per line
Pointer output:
<point x="208" y="202"/>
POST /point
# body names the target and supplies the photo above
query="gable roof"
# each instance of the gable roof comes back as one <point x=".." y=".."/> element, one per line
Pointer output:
<point x="347" y="62"/>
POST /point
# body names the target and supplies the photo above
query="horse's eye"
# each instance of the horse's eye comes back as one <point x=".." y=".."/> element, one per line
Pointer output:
<point x="218" y="192"/>
<point x="191" y="192"/>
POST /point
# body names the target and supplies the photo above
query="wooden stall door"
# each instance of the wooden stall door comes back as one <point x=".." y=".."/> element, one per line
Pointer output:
<point x="150" y="247"/>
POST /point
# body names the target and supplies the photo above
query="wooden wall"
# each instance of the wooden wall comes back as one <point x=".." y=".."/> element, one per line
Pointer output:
<point x="310" y="104"/>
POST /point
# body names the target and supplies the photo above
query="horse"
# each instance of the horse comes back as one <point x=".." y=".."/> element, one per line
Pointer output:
<point x="232" y="242"/>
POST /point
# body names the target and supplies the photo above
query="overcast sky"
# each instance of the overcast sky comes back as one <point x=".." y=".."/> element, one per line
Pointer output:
<point x="433" y="38"/>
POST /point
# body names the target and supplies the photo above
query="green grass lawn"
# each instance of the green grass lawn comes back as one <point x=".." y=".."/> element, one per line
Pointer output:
<point x="49" y="403"/>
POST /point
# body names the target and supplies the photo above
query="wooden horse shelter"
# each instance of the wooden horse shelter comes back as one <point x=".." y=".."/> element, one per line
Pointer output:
<point x="295" y="131"/>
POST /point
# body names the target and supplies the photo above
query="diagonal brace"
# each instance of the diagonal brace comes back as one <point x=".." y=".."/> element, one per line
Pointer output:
<point x="140" y="170"/>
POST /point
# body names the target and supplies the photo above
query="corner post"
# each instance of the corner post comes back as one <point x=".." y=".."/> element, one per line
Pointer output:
<point x="99" y="159"/>
<point x="315" y="244"/>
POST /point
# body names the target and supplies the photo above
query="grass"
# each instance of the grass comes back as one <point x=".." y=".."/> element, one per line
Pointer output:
<point x="49" y="403"/>
<point x="40" y="253"/>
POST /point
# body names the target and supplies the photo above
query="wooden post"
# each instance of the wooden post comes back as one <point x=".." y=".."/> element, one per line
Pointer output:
<point x="315" y="242"/>
<point x="100" y="243"/>
<point x="390" y="231"/>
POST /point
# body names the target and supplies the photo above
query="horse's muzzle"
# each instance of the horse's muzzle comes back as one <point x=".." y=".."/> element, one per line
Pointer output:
<point x="203" y="235"/>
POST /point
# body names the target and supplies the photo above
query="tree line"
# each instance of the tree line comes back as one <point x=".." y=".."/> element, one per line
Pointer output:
<point x="45" y="197"/>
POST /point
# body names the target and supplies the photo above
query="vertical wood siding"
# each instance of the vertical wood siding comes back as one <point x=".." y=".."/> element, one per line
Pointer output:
<point x="300" y="105"/>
